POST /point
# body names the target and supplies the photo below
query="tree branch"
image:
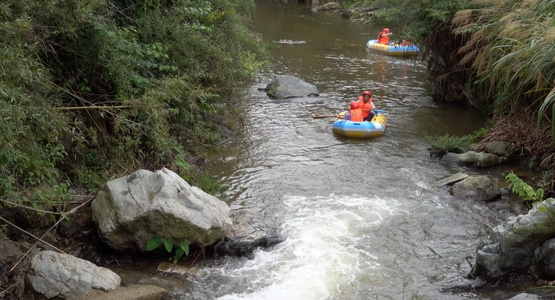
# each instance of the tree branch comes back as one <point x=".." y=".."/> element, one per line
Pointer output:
<point x="53" y="226"/>
<point x="32" y="235"/>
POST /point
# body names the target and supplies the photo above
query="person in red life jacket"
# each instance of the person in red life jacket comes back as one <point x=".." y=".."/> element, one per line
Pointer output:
<point x="366" y="104"/>
<point x="407" y="42"/>
<point x="383" y="37"/>
<point x="355" y="113"/>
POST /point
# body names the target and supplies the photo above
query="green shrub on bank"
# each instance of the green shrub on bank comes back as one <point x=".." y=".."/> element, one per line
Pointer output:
<point x="94" y="90"/>
<point x="30" y="131"/>
<point x="442" y="144"/>
<point x="526" y="192"/>
<point x="183" y="248"/>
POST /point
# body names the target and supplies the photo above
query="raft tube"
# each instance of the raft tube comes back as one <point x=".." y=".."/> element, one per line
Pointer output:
<point x="392" y="50"/>
<point x="361" y="130"/>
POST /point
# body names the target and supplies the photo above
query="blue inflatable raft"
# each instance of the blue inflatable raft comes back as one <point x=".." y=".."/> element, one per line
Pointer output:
<point x="392" y="49"/>
<point x="361" y="130"/>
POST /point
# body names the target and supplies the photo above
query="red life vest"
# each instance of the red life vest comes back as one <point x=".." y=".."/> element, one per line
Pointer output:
<point x="363" y="105"/>
<point x="356" y="115"/>
<point x="383" y="39"/>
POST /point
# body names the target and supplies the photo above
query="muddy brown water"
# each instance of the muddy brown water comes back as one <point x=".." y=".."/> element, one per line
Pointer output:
<point x="362" y="218"/>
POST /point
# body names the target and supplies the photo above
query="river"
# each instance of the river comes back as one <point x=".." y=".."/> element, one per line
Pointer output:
<point x="362" y="218"/>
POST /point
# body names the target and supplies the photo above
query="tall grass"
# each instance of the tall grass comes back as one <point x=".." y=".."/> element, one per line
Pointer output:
<point x="510" y="45"/>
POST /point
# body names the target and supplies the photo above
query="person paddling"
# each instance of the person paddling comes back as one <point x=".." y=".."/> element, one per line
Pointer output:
<point x="366" y="104"/>
<point x="383" y="37"/>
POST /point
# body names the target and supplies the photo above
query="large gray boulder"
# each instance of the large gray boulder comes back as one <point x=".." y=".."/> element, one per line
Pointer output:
<point x="285" y="86"/>
<point x="512" y="246"/>
<point x="478" y="188"/>
<point x="67" y="277"/>
<point x="130" y="210"/>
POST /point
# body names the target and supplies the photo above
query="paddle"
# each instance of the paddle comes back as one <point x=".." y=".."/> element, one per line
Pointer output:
<point x="321" y="117"/>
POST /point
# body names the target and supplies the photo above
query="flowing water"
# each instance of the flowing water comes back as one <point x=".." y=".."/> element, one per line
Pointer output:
<point x="361" y="218"/>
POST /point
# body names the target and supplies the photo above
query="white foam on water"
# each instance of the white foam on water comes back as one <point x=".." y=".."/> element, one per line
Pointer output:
<point x="290" y="42"/>
<point x="320" y="256"/>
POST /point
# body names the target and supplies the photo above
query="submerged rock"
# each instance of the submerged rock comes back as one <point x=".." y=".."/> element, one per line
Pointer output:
<point x="478" y="188"/>
<point x="525" y="296"/>
<point x="327" y="6"/>
<point x="243" y="239"/>
<point x="133" y="292"/>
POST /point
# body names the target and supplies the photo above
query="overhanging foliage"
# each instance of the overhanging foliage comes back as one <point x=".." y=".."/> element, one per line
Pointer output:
<point x="95" y="89"/>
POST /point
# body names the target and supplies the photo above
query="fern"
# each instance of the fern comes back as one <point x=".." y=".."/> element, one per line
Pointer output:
<point x="525" y="191"/>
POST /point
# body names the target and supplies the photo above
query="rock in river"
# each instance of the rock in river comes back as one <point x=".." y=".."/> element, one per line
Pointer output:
<point x="130" y="210"/>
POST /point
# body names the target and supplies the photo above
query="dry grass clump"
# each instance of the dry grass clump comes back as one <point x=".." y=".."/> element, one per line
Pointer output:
<point x="519" y="130"/>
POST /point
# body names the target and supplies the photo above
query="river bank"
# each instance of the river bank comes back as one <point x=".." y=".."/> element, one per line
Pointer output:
<point x="75" y="237"/>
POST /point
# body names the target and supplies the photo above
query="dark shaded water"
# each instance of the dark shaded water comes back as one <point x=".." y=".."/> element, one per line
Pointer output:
<point x="362" y="219"/>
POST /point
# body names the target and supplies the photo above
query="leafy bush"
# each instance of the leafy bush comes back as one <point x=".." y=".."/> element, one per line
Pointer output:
<point x="97" y="89"/>
<point x="446" y="143"/>
<point x="525" y="191"/>
<point x="30" y="131"/>
<point x="440" y="145"/>
<point x="155" y="241"/>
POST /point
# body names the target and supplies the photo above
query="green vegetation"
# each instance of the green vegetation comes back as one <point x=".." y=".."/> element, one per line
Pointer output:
<point x="92" y="90"/>
<point x="155" y="241"/>
<point x="441" y="144"/>
<point x="525" y="191"/>
<point x="417" y="19"/>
